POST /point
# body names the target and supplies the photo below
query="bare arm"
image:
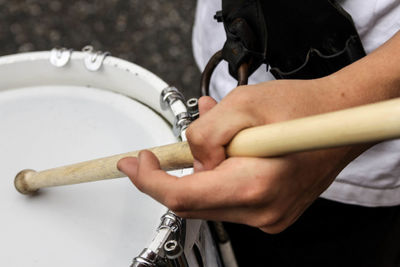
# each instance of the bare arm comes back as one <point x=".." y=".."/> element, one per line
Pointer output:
<point x="266" y="193"/>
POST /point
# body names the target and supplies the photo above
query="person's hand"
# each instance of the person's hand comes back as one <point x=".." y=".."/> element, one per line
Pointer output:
<point x="269" y="193"/>
<point x="266" y="193"/>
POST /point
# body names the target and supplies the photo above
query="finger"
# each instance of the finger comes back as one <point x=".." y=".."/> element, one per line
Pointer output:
<point x="209" y="134"/>
<point x="227" y="186"/>
<point x="206" y="103"/>
<point x="150" y="179"/>
<point x="128" y="166"/>
<point x="190" y="192"/>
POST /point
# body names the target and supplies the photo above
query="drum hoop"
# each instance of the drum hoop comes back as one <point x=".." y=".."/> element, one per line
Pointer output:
<point x="109" y="64"/>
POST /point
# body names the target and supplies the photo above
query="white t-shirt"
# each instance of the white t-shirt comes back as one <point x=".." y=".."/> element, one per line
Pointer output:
<point x="373" y="179"/>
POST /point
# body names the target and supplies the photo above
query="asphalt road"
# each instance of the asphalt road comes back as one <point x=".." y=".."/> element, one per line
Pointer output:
<point x="155" y="34"/>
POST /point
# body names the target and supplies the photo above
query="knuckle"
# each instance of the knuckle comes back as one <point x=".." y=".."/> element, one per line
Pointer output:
<point x="196" y="137"/>
<point x="241" y="95"/>
<point x="239" y="99"/>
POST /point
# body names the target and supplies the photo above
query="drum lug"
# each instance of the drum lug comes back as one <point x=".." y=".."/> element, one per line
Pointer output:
<point x="147" y="258"/>
<point x="172" y="99"/>
<point x="173" y="247"/>
<point x="193" y="108"/>
<point x="59" y="57"/>
<point x="94" y="59"/>
<point x="167" y="245"/>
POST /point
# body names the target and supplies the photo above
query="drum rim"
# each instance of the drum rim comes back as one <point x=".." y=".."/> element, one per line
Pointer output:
<point x="120" y="63"/>
<point x="110" y="62"/>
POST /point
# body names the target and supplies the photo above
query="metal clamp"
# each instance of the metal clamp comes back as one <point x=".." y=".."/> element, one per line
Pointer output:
<point x="59" y="57"/>
<point x="172" y="99"/>
<point x="171" y="221"/>
<point x="167" y="244"/>
<point x="147" y="258"/>
<point x="173" y="247"/>
<point x="193" y="108"/>
<point x="94" y="59"/>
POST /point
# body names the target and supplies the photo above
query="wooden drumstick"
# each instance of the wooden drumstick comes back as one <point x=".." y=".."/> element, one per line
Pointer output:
<point x="369" y="123"/>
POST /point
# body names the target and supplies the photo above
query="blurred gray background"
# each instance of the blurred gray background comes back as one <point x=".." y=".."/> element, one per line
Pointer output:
<point x="155" y="34"/>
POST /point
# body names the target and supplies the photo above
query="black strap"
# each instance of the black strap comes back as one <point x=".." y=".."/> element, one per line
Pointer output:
<point x="297" y="39"/>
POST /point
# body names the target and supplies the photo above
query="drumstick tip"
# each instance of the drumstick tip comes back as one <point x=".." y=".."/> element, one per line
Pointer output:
<point x="20" y="182"/>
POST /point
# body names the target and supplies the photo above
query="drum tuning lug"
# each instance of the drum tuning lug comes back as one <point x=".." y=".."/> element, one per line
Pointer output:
<point x="173" y="249"/>
<point x="147" y="258"/>
<point x="182" y="121"/>
<point x="171" y="221"/>
<point x="94" y="59"/>
<point x="172" y="99"/>
<point x="167" y="244"/>
<point x="193" y="107"/>
<point x="59" y="57"/>
<point x="169" y="96"/>
<point x="173" y="246"/>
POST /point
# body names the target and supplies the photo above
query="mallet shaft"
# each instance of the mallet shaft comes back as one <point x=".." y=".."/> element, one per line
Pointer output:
<point x="173" y="156"/>
<point x="369" y="123"/>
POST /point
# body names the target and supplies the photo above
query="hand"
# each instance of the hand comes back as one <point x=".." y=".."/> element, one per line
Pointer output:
<point x="266" y="193"/>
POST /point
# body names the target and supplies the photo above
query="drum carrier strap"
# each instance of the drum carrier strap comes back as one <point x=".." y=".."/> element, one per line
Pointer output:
<point x="296" y="39"/>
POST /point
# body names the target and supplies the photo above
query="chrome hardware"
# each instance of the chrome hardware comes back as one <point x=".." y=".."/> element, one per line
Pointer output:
<point x="171" y="221"/>
<point x="166" y="249"/>
<point x="147" y="258"/>
<point x="173" y="247"/>
<point x="172" y="99"/>
<point x="182" y="121"/>
<point x="59" y="57"/>
<point x="169" y="96"/>
<point x="193" y="108"/>
<point x="167" y="245"/>
<point x="94" y="59"/>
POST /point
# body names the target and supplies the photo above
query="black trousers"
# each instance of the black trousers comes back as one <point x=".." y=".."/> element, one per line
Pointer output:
<point x="328" y="234"/>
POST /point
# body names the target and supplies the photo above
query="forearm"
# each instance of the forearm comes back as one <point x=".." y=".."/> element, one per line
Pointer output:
<point x="374" y="78"/>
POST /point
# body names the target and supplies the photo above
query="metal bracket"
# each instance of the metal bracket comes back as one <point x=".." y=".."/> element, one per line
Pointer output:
<point x="172" y="99"/>
<point x="169" y="242"/>
<point x="59" y="57"/>
<point x="193" y="108"/>
<point x="94" y="59"/>
<point x="173" y="247"/>
<point x="147" y="258"/>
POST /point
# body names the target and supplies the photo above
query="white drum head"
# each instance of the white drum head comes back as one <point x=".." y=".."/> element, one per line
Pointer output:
<point x="55" y="116"/>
